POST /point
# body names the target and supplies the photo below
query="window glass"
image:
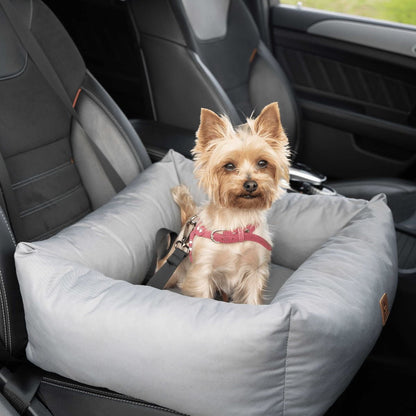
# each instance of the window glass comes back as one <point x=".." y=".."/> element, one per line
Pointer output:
<point x="402" y="11"/>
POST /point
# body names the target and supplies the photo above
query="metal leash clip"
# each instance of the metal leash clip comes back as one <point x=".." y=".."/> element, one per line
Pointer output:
<point x="182" y="244"/>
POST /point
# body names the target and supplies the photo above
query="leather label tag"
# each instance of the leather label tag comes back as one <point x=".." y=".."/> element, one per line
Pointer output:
<point x="384" y="306"/>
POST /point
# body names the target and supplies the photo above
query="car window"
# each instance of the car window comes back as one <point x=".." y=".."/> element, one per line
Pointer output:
<point x="401" y="11"/>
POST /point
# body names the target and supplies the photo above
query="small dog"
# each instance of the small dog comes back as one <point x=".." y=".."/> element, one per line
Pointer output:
<point x="242" y="171"/>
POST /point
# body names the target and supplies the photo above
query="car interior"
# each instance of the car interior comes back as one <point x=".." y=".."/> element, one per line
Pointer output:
<point x="140" y="71"/>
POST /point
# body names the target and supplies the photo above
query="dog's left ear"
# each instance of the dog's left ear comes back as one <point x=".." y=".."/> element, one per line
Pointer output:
<point x="268" y="124"/>
<point x="211" y="127"/>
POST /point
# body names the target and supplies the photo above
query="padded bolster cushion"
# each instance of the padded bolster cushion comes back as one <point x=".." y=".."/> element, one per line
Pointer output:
<point x="87" y="320"/>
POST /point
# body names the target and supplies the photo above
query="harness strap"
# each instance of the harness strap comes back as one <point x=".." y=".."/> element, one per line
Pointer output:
<point x="238" y="235"/>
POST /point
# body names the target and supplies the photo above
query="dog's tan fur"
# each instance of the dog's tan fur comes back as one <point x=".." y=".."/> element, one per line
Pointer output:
<point x="240" y="270"/>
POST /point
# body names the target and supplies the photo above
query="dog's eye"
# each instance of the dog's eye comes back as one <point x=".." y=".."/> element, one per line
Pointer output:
<point x="262" y="164"/>
<point x="229" y="166"/>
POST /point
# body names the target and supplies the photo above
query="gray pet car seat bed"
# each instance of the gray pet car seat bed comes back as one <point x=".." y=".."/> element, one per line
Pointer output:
<point x="89" y="319"/>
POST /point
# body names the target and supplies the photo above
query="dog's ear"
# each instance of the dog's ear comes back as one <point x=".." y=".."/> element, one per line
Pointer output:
<point x="211" y="127"/>
<point x="268" y="124"/>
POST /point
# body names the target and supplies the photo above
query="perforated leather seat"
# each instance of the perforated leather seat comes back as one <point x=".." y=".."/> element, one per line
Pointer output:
<point x="56" y="178"/>
<point x="210" y="54"/>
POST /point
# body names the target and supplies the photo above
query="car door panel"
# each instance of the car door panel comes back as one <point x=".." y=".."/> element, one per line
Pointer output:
<point x="390" y="39"/>
<point x="358" y="98"/>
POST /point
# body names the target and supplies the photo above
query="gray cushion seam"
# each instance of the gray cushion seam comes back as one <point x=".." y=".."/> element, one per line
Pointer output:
<point x="286" y="359"/>
<point x="80" y="390"/>
<point x="112" y="118"/>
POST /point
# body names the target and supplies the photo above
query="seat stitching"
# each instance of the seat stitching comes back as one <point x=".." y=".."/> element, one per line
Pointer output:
<point x="16" y="74"/>
<point x="4" y="319"/>
<point x="78" y="387"/>
<point x="8" y="227"/>
<point x="138" y="403"/>
<point x="5" y="310"/>
<point x="41" y="175"/>
<point x="50" y="202"/>
<point x="5" y="307"/>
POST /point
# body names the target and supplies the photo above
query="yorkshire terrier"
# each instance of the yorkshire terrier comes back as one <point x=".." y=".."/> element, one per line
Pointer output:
<point x="243" y="171"/>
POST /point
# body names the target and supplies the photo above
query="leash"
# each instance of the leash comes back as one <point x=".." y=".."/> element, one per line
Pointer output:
<point x="182" y="250"/>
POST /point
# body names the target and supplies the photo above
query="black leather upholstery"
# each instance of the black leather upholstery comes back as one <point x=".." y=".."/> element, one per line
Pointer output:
<point x="245" y="70"/>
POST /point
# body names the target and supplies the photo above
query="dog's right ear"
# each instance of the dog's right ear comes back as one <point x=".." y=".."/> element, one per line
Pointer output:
<point x="211" y="127"/>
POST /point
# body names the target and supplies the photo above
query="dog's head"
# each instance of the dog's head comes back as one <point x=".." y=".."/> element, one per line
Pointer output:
<point x="243" y="167"/>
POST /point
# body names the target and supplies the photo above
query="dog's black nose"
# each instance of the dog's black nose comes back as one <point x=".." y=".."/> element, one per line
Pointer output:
<point x="250" y="186"/>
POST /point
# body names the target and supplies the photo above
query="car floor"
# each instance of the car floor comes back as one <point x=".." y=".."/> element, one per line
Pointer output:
<point x="386" y="383"/>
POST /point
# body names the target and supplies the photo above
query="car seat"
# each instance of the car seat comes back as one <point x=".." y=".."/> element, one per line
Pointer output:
<point x="210" y="54"/>
<point x="55" y="176"/>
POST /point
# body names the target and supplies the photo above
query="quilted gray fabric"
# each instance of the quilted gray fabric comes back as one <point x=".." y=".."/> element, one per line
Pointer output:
<point x="88" y="321"/>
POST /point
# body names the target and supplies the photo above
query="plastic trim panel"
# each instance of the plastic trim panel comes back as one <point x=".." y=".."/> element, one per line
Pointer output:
<point x="389" y="39"/>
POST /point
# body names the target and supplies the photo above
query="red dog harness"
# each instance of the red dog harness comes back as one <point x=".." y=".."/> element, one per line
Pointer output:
<point x="227" y="237"/>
